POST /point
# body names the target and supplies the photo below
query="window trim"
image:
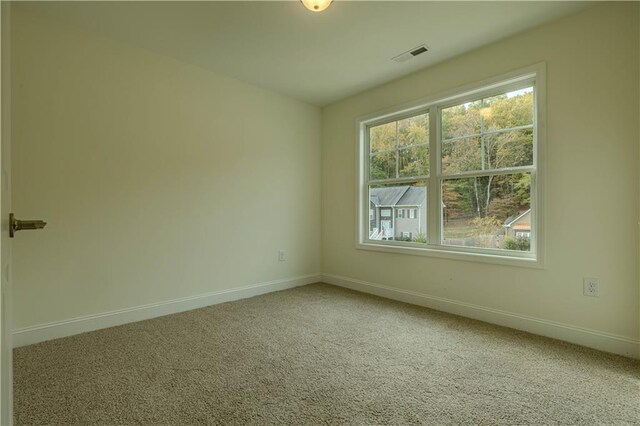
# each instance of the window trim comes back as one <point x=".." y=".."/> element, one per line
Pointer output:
<point x="514" y="80"/>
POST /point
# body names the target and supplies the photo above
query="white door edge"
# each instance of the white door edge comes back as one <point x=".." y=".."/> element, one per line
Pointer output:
<point x="6" y="347"/>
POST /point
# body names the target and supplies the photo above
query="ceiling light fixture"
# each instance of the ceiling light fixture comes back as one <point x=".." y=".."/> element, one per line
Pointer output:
<point x="316" y="5"/>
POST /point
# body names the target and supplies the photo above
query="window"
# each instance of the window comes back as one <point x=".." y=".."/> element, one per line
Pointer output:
<point x="468" y="162"/>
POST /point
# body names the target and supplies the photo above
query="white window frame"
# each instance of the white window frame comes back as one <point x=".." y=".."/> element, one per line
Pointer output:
<point x="529" y="76"/>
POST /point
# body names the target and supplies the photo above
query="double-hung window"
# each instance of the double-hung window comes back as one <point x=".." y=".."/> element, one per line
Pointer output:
<point x="465" y="167"/>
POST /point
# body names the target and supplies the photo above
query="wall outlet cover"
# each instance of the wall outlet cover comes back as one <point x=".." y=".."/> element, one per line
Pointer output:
<point x="591" y="287"/>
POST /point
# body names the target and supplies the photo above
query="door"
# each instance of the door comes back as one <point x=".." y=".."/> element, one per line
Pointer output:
<point x="6" y="364"/>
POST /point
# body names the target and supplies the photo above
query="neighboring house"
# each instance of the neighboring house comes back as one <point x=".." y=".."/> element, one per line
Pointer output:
<point x="397" y="212"/>
<point x="519" y="225"/>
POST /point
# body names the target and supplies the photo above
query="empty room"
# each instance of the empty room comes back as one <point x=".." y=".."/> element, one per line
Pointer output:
<point x="320" y="212"/>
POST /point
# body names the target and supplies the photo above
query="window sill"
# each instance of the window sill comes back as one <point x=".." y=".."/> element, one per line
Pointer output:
<point x="452" y="253"/>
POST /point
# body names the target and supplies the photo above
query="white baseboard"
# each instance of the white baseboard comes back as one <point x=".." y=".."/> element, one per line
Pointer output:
<point x="57" y="329"/>
<point x="581" y="336"/>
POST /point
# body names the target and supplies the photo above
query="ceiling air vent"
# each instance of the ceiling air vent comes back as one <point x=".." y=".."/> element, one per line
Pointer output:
<point x="411" y="53"/>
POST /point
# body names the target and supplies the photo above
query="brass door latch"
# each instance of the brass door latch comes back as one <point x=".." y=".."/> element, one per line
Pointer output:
<point x="22" y="225"/>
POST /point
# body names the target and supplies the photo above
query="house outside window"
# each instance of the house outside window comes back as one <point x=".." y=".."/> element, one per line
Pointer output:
<point x="458" y="171"/>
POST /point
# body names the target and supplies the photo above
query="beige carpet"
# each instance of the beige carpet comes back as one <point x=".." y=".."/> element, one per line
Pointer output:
<point x="320" y="355"/>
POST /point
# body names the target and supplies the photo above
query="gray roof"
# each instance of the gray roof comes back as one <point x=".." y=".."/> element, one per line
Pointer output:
<point x="415" y="196"/>
<point x="507" y="223"/>
<point x="398" y="196"/>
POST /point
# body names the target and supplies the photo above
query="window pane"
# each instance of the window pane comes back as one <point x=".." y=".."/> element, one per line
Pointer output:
<point x="386" y="199"/>
<point x="383" y="165"/>
<point x="413" y="161"/>
<point x="383" y="137"/>
<point x="509" y="110"/>
<point x="509" y="149"/>
<point x="413" y="130"/>
<point x="462" y="120"/>
<point x="462" y="155"/>
<point x="488" y="212"/>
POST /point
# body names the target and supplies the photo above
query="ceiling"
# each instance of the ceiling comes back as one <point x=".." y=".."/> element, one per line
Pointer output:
<point x="318" y="58"/>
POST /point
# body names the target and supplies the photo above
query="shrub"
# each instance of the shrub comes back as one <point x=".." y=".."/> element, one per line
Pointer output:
<point x="519" y="243"/>
<point x="420" y="238"/>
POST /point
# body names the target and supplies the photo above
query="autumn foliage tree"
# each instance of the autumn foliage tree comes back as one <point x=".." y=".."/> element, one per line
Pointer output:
<point x="475" y="138"/>
<point x="484" y="138"/>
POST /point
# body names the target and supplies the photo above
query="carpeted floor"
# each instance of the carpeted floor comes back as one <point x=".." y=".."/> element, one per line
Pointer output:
<point x="320" y="355"/>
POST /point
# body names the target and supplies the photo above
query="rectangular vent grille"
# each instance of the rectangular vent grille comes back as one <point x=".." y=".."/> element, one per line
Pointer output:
<point x="418" y="51"/>
<point x="411" y="53"/>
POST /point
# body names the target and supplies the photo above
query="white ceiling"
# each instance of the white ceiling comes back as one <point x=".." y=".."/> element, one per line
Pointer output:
<point x="315" y="57"/>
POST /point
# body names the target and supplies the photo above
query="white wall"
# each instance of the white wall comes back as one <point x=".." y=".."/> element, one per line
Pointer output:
<point x="161" y="180"/>
<point x="158" y="179"/>
<point x="592" y="178"/>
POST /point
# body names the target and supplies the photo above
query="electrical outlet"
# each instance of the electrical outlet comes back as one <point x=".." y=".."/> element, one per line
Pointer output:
<point x="591" y="287"/>
<point x="282" y="255"/>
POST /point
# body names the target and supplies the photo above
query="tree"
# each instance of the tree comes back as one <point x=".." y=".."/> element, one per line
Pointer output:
<point x="405" y="143"/>
<point x="467" y="147"/>
<point x="493" y="133"/>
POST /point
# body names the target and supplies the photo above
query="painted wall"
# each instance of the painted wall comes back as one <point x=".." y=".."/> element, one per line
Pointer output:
<point x="592" y="177"/>
<point x="158" y="179"/>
